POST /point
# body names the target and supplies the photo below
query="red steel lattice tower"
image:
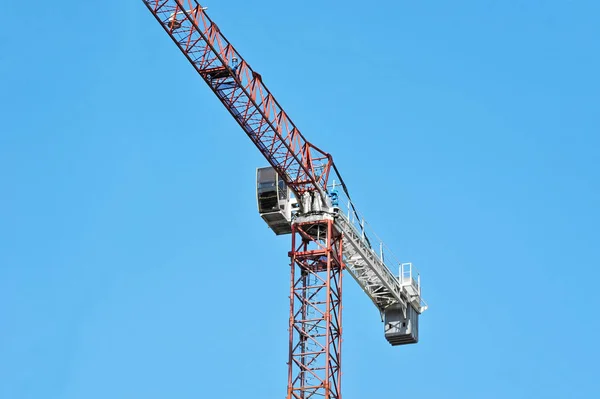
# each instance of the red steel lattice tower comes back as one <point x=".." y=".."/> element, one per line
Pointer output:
<point x="315" y="311"/>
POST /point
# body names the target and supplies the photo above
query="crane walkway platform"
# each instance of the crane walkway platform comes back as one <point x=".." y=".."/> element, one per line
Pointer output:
<point x="372" y="274"/>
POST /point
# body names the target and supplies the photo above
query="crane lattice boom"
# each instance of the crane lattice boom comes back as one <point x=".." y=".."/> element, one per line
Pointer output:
<point x="303" y="166"/>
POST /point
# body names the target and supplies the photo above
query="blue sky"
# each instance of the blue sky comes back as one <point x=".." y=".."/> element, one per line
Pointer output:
<point x="133" y="262"/>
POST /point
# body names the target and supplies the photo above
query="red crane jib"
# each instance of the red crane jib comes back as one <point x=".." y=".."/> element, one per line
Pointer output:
<point x="303" y="166"/>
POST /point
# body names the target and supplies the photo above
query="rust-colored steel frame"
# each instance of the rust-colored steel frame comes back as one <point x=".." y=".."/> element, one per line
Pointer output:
<point x="315" y="311"/>
<point x="303" y="166"/>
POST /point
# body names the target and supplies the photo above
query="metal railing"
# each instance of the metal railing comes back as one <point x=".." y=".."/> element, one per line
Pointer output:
<point x="381" y="254"/>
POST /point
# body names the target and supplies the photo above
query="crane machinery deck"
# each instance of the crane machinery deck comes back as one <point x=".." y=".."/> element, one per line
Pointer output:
<point x="297" y="194"/>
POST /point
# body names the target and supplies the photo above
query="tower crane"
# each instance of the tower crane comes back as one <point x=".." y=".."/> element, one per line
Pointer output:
<point x="301" y="193"/>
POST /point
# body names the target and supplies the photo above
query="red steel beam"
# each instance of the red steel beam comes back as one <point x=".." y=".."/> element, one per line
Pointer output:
<point x="303" y="166"/>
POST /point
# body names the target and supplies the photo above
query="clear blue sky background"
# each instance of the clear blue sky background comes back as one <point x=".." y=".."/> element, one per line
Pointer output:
<point x="133" y="263"/>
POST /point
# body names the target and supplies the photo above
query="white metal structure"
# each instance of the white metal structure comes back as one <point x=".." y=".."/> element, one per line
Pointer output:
<point x="397" y="298"/>
<point x="276" y="202"/>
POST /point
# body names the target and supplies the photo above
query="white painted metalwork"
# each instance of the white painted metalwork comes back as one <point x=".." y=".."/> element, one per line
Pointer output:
<point x="276" y="202"/>
<point x="372" y="274"/>
<point x="365" y="255"/>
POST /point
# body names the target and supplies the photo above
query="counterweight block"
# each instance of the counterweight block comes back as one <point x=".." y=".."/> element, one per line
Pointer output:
<point x="401" y="329"/>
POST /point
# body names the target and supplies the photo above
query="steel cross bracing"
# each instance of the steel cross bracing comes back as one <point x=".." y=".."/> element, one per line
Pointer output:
<point x="315" y="310"/>
<point x="303" y="166"/>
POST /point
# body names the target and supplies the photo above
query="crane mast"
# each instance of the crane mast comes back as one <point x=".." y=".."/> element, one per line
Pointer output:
<point x="297" y="196"/>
